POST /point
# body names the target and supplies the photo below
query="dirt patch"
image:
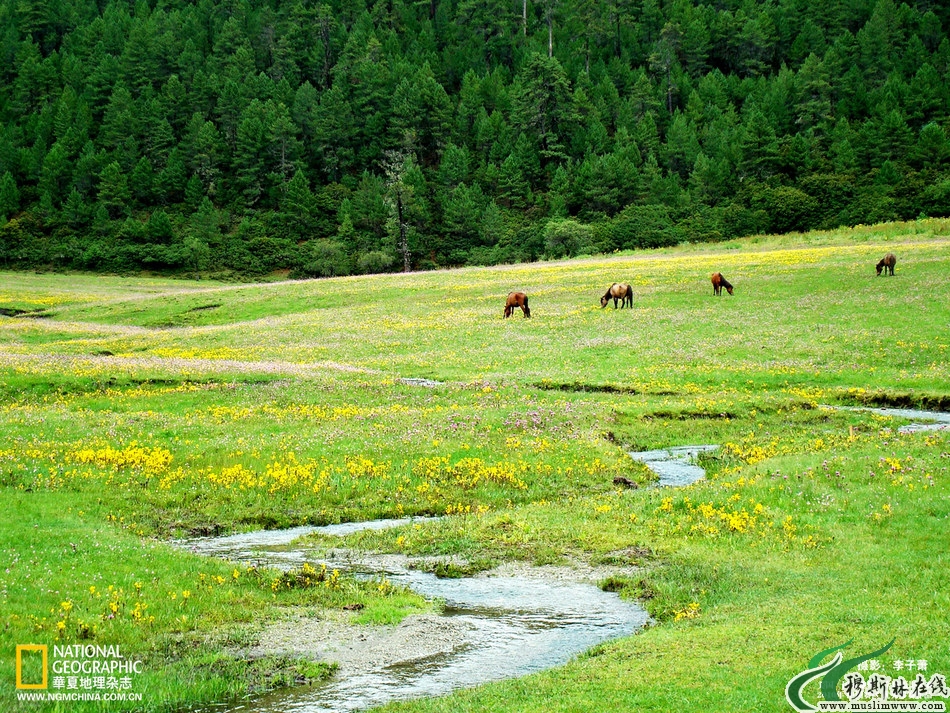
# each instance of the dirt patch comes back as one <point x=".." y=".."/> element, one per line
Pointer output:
<point x="332" y="637"/>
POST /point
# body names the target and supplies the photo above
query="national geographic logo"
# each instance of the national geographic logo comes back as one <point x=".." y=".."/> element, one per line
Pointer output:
<point x="34" y="658"/>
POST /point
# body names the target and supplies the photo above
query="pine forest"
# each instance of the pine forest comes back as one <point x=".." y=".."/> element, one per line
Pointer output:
<point x="243" y="138"/>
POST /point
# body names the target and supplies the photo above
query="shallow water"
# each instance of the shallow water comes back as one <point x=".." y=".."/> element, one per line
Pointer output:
<point x="939" y="421"/>
<point x="676" y="466"/>
<point x="513" y="625"/>
<point x="427" y="383"/>
<point x="240" y="546"/>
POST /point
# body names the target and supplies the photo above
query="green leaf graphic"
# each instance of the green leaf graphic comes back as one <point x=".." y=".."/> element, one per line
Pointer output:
<point x="816" y="659"/>
<point x="829" y="686"/>
<point x="793" y="691"/>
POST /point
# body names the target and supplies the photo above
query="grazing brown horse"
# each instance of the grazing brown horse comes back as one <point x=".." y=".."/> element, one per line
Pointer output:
<point x="517" y="299"/>
<point x="718" y="282"/>
<point x="618" y="291"/>
<point x="887" y="264"/>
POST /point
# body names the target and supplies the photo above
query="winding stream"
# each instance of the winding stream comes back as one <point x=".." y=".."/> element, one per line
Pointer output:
<point x="492" y="627"/>
<point x="938" y="420"/>
<point x="676" y="466"/>
<point x="502" y="626"/>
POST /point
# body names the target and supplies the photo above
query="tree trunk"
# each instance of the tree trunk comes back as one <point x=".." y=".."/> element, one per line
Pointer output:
<point x="403" y="235"/>
<point x="550" y="34"/>
<point x="669" y="89"/>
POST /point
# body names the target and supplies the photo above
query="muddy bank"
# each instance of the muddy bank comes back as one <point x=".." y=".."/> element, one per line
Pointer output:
<point x="358" y="649"/>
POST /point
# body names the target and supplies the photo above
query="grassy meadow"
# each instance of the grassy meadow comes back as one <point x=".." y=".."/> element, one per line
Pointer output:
<point x="134" y="411"/>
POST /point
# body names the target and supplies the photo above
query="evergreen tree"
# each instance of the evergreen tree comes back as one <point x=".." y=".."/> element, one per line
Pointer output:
<point x="463" y="210"/>
<point x="9" y="197"/>
<point x="758" y="147"/>
<point x="76" y="212"/>
<point x="248" y="162"/>
<point x="55" y="175"/>
<point x="513" y="189"/>
<point x="422" y="110"/>
<point x="682" y="146"/>
<point x="814" y="89"/>
<point x="298" y="206"/>
<point x="544" y="106"/>
<point x="493" y="26"/>
<point x="159" y="228"/>
<point x="141" y="180"/>
<point x="335" y="137"/>
<point x="195" y="192"/>
<point x="114" y="193"/>
<point x="120" y="126"/>
<point x="932" y="150"/>
<point x="170" y="183"/>
<point x="282" y="144"/>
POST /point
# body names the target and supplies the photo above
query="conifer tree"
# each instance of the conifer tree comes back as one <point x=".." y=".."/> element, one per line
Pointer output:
<point x="114" y="193"/>
<point x="9" y="196"/>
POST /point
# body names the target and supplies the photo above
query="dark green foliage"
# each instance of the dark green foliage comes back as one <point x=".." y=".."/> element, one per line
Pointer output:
<point x="9" y="196"/>
<point x="342" y="137"/>
<point x="566" y="238"/>
<point x="646" y="226"/>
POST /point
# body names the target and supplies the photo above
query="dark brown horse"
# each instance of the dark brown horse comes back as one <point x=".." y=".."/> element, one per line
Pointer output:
<point x="887" y="264"/>
<point x="618" y="291"/>
<point x="517" y="299"/>
<point x="718" y="282"/>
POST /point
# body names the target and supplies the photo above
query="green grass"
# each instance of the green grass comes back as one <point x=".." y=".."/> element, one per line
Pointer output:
<point x="140" y="410"/>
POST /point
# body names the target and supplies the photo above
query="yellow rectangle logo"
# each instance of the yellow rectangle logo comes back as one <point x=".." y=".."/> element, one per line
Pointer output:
<point x="20" y="649"/>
